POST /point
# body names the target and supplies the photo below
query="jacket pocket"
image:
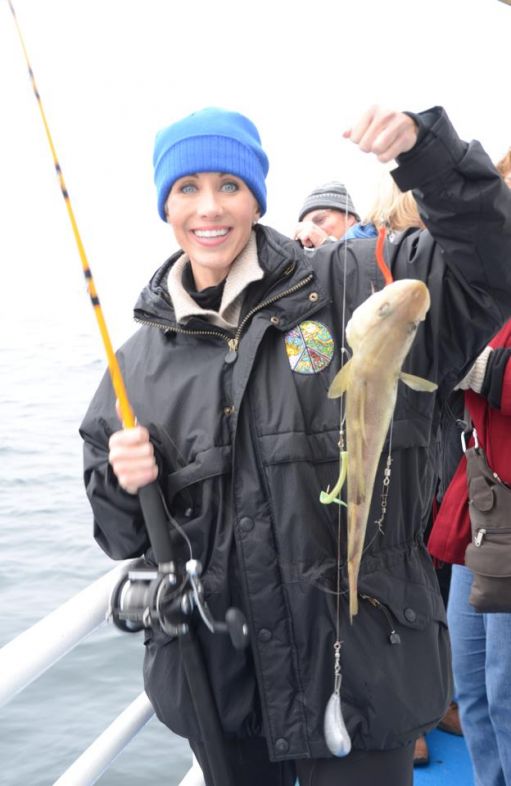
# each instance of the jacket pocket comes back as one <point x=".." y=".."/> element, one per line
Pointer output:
<point x="399" y="633"/>
<point x="405" y="590"/>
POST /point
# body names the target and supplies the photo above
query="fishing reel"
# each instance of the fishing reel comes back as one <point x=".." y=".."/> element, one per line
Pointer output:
<point x="147" y="598"/>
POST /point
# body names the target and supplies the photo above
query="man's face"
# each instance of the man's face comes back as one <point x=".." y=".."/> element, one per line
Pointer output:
<point x="334" y="222"/>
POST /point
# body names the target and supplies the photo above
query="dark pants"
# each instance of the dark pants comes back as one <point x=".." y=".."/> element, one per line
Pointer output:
<point x="251" y="767"/>
<point x="359" y="768"/>
<point x="249" y="763"/>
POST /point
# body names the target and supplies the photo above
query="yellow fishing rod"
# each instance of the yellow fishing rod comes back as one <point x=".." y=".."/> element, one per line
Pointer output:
<point x="155" y="599"/>
<point x="128" y="418"/>
<point x="156" y="515"/>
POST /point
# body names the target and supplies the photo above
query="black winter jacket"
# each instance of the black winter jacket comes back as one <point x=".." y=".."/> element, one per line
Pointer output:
<point x="245" y="448"/>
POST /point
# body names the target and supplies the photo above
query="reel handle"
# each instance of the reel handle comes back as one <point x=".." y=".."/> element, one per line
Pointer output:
<point x="236" y="626"/>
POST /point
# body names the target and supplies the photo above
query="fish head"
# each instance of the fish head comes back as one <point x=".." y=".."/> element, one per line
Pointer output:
<point x="395" y="310"/>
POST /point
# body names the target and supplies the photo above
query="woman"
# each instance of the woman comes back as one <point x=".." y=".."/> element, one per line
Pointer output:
<point x="481" y="643"/>
<point x="241" y="338"/>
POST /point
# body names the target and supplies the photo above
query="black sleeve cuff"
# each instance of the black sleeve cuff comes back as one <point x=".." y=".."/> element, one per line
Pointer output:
<point x="436" y="153"/>
<point x="491" y="388"/>
<point x="422" y="126"/>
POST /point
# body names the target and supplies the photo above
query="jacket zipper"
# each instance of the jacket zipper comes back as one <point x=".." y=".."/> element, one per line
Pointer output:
<point x="234" y="343"/>
<point x="394" y="637"/>
<point x="479" y="537"/>
<point x="231" y="341"/>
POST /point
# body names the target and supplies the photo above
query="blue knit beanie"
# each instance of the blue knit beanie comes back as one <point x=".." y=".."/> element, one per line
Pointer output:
<point x="211" y="140"/>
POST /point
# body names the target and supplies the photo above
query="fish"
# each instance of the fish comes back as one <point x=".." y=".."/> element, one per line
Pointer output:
<point x="380" y="333"/>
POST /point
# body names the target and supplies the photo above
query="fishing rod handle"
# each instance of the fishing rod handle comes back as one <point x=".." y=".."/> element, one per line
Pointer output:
<point x="156" y="522"/>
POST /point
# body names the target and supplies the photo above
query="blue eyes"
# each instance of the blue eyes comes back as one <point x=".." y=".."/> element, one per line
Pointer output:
<point x="228" y="187"/>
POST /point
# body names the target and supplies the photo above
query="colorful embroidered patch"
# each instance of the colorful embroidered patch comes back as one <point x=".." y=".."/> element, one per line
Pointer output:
<point x="309" y="347"/>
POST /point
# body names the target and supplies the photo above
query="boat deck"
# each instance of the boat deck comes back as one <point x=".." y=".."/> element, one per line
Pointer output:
<point x="449" y="762"/>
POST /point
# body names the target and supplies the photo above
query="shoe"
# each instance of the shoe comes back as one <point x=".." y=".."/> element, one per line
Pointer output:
<point x="421" y="752"/>
<point x="451" y="721"/>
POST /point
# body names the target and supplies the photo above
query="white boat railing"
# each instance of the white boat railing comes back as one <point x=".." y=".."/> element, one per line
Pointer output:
<point x="35" y="650"/>
<point x="98" y="756"/>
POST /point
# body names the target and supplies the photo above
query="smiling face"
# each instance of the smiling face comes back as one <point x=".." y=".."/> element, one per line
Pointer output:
<point x="212" y="214"/>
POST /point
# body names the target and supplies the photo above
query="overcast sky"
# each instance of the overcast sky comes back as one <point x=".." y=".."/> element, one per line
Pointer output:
<point x="112" y="72"/>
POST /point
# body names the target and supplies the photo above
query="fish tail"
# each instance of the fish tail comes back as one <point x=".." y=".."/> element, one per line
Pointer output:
<point x="352" y="577"/>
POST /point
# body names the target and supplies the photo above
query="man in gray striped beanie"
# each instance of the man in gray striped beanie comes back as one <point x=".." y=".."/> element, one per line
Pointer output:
<point x="326" y="214"/>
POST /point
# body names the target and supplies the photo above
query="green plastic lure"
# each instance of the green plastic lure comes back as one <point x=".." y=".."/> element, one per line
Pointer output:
<point x="327" y="497"/>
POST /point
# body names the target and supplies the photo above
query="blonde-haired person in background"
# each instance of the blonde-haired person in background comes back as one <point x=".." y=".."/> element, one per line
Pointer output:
<point x="395" y="209"/>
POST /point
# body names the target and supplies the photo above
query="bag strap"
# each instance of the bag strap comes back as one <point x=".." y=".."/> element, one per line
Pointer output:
<point x="468" y="430"/>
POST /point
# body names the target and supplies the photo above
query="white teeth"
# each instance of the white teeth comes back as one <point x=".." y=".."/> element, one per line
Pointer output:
<point x="210" y="232"/>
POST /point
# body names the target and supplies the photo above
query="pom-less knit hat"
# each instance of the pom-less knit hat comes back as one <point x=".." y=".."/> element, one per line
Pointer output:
<point x="211" y="140"/>
<point x="333" y="195"/>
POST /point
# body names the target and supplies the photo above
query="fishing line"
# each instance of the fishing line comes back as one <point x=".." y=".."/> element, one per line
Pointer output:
<point x="127" y="415"/>
<point x="176" y="525"/>
<point x="342" y="417"/>
<point x="336" y="735"/>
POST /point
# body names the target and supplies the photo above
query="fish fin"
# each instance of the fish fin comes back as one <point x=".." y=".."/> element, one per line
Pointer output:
<point x="341" y="381"/>
<point x="353" y="607"/>
<point x="417" y="383"/>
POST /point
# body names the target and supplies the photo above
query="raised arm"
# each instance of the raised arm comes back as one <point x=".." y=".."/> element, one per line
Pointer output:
<point x="465" y="256"/>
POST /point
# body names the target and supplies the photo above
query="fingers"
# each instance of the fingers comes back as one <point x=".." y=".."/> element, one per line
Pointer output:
<point x="309" y="234"/>
<point x="131" y="455"/>
<point x="305" y="239"/>
<point x="384" y="132"/>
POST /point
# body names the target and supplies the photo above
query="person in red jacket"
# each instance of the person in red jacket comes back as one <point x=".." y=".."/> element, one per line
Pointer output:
<point x="481" y="643"/>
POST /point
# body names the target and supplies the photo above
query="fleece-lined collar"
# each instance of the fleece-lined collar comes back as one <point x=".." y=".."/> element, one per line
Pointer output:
<point x="244" y="270"/>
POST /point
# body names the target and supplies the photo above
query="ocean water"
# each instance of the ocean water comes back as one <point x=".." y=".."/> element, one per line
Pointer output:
<point x="51" y="360"/>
